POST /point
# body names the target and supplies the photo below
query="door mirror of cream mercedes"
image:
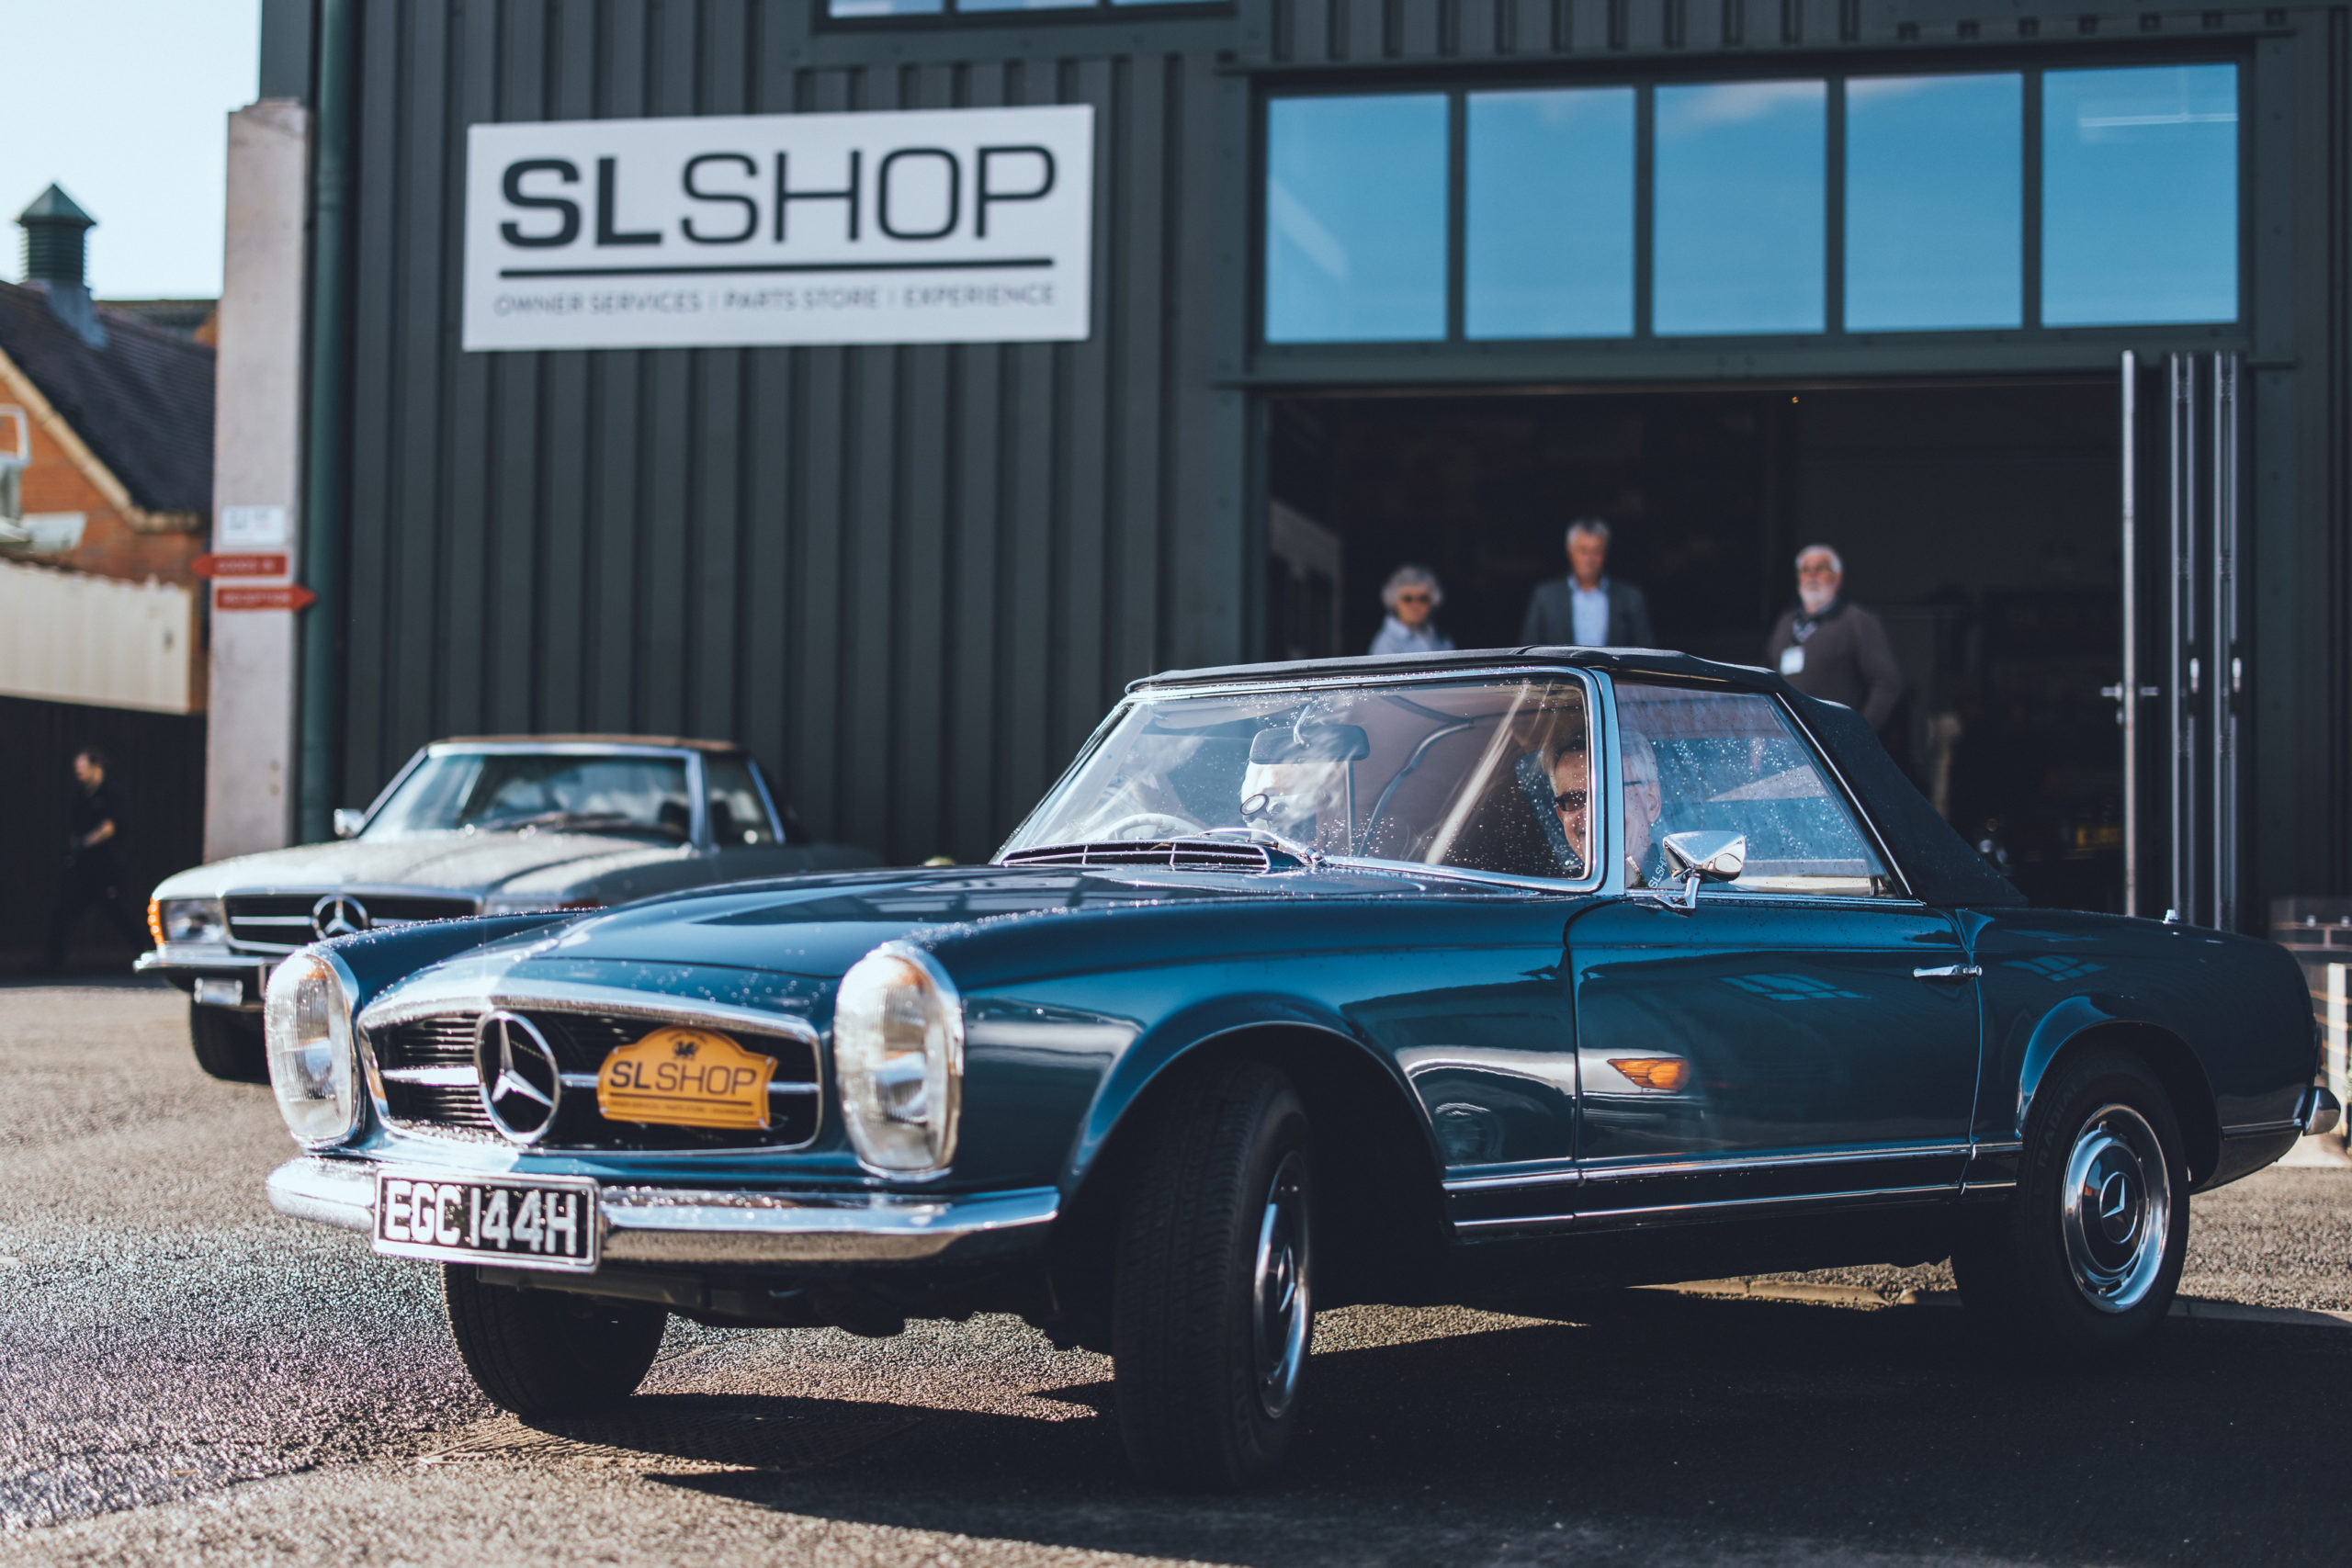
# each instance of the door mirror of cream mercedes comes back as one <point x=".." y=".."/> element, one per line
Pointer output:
<point x="1703" y="854"/>
<point x="349" y="822"/>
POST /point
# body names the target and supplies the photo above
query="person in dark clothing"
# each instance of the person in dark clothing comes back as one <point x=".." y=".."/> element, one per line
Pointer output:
<point x="1830" y="648"/>
<point x="1588" y="608"/>
<point x="92" y="876"/>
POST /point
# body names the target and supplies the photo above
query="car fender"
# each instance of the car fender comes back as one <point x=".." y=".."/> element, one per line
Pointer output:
<point x="2065" y="1022"/>
<point x="1200" y="1025"/>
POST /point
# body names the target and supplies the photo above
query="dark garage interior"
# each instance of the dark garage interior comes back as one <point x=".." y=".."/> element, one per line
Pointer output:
<point x="1979" y="519"/>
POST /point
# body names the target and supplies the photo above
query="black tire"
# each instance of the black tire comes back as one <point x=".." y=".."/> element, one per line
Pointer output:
<point x="2070" y="1279"/>
<point x="1209" y="1397"/>
<point x="228" y="1045"/>
<point x="544" y="1354"/>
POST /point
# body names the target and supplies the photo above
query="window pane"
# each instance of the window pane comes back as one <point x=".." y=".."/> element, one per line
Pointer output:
<point x="1019" y="5"/>
<point x="2140" y="195"/>
<point x="1550" y="241"/>
<point x="1740" y="182"/>
<point x="884" y="8"/>
<point x="1935" y="201"/>
<point x="1730" y="761"/>
<point x="1355" y="219"/>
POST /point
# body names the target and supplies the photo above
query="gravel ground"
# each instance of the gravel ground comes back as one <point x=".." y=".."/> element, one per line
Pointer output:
<point x="185" y="1377"/>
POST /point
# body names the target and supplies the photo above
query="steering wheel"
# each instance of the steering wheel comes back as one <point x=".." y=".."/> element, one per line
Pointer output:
<point x="1164" y="826"/>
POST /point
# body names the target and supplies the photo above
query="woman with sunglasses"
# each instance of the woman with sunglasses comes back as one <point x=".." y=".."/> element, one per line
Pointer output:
<point x="1411" y="595"/>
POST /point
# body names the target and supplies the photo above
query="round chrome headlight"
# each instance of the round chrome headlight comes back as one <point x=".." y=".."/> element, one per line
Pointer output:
<point x="312" y="1066"/>
<point x="899" y="1053"/>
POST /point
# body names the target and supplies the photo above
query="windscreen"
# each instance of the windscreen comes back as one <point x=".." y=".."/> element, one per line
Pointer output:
<point x="1492" y="775"/>
<point x="512" y="791"/>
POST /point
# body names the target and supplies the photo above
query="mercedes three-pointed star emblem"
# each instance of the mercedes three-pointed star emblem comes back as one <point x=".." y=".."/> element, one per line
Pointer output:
<point x="521" y="1080"/>
<point x="338" y="915"/>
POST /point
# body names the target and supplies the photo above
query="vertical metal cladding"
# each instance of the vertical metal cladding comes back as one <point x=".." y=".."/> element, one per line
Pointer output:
<point x="911" y="578"/>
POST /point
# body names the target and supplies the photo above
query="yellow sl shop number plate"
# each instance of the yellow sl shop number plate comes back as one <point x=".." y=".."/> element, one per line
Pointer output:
<point x="686" y="1077"/>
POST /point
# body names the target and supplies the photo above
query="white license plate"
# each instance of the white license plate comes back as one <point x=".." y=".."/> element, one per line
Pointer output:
<point x="529" y="1224"/>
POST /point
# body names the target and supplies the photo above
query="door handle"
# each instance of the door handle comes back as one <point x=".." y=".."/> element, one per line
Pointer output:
<point x="1948" y="972"/>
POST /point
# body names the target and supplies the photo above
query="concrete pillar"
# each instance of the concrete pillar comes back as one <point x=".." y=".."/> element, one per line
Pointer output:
<point x="257" y="475"/>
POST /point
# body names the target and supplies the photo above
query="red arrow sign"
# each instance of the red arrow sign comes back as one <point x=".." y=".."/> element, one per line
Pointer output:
<point x="277" y="596"/>
<point x="240" y="566"/>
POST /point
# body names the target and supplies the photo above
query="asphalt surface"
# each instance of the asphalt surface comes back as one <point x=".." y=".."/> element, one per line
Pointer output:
<point x="186" y="1378"/>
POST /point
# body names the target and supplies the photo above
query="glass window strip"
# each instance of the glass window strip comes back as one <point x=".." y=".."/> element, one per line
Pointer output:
<point x="1475" y="268"/>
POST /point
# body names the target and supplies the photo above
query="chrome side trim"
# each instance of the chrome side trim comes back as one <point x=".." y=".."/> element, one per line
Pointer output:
<point x="1601" y="1218"/>
<point x="668" y="1225"/>
<point x="1706" y="1166"/>
<point x="2262" y="1128"/>
<point x="1531" y="1179"/>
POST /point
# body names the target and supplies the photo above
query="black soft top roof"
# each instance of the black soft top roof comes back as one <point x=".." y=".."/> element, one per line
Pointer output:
<point x="1937" y="862"/>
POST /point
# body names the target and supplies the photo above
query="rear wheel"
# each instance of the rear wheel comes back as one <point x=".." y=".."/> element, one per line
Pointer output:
<point x="228" y="1045"/>
<point x="2086" y="1255"/>
<point x="1213" y="1308"/>
<point x="548" y="1353"/>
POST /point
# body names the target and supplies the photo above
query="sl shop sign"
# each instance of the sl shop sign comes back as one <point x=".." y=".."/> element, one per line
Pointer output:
<point x="922" y="226"/>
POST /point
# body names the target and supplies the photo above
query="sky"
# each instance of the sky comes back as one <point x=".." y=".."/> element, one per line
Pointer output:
<point x="124" y="103"/>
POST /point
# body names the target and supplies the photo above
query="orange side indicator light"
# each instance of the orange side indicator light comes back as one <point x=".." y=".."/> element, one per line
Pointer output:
<point x="1664" y="1073"/>
<point x="155" y="920"/>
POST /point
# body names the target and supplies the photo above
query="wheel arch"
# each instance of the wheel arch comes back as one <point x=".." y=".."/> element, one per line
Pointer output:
<point x="1380" y="1192"/>
<point x="2084" y="1024"/>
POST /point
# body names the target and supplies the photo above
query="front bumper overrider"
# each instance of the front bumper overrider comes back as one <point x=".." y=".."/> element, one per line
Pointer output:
<point x="673" y="1225"/>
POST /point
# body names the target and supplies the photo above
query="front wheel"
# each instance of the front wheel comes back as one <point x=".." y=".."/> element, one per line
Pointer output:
<point x="2087" y="1253"/>
<point x="1213" y="1307"/>
<point x="228" y="1045"/>
<point x="548" y="1353"/>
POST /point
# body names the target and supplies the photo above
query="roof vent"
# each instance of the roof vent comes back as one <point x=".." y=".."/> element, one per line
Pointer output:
<point x="56" y="257"/>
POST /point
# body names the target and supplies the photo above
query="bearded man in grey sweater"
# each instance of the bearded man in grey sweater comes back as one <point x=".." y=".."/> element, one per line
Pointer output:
<point x="1830" y="648"/>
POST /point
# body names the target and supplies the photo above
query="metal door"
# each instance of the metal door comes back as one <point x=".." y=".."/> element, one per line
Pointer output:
<point x="2185" y="673"/>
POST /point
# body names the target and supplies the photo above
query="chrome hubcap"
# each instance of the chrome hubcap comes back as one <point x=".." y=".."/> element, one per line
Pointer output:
<point x="2116" y="1211"/>
<point x="1281" y="1313"/>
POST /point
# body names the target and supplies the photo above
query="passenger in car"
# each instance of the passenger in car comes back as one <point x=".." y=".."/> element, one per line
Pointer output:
<point x="1645" y="805"/>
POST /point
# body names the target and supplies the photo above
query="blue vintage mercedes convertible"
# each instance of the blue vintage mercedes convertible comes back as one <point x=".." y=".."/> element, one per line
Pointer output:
<point x="1479" y="978"/>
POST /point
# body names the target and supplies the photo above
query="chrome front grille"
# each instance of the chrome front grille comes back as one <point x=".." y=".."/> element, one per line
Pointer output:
<point x="280" y="922"/>
<point x="430" y="1085"/>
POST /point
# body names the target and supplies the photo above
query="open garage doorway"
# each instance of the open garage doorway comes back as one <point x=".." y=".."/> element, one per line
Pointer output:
<point x="1978" y="519"/>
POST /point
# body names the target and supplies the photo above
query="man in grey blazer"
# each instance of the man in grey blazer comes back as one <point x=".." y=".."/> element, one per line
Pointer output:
<point x="1587" y="608"/>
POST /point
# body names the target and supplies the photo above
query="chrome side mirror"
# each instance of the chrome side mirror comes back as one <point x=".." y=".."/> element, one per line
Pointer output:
<point x="1703" y="854"/>
<point x="349" y="822"/>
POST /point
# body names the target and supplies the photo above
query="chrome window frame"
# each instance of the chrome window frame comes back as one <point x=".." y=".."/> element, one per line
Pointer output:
<point x="1903" y="898"/>
<point x="1596" y="878"/>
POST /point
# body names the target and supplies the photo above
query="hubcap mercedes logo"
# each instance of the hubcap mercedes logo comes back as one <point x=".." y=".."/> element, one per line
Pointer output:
<point x="335" y="915"/>
<point x="521" y="1080"/>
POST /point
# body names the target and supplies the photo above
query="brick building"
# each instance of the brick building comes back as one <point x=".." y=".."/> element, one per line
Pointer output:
<point x="105" y="500"/>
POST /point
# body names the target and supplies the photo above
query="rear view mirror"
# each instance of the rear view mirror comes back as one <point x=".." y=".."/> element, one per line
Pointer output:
<point x="349" y="822"/>
<point x="1704" y="855"/>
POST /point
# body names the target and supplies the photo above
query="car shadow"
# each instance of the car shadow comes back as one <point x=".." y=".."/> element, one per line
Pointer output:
<point x="1668" y="1427"/>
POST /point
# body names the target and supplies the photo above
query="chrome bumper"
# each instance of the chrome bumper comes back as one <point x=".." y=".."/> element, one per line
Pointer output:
<point x="183" y="964"/>
<point x="661" y="1225"/>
